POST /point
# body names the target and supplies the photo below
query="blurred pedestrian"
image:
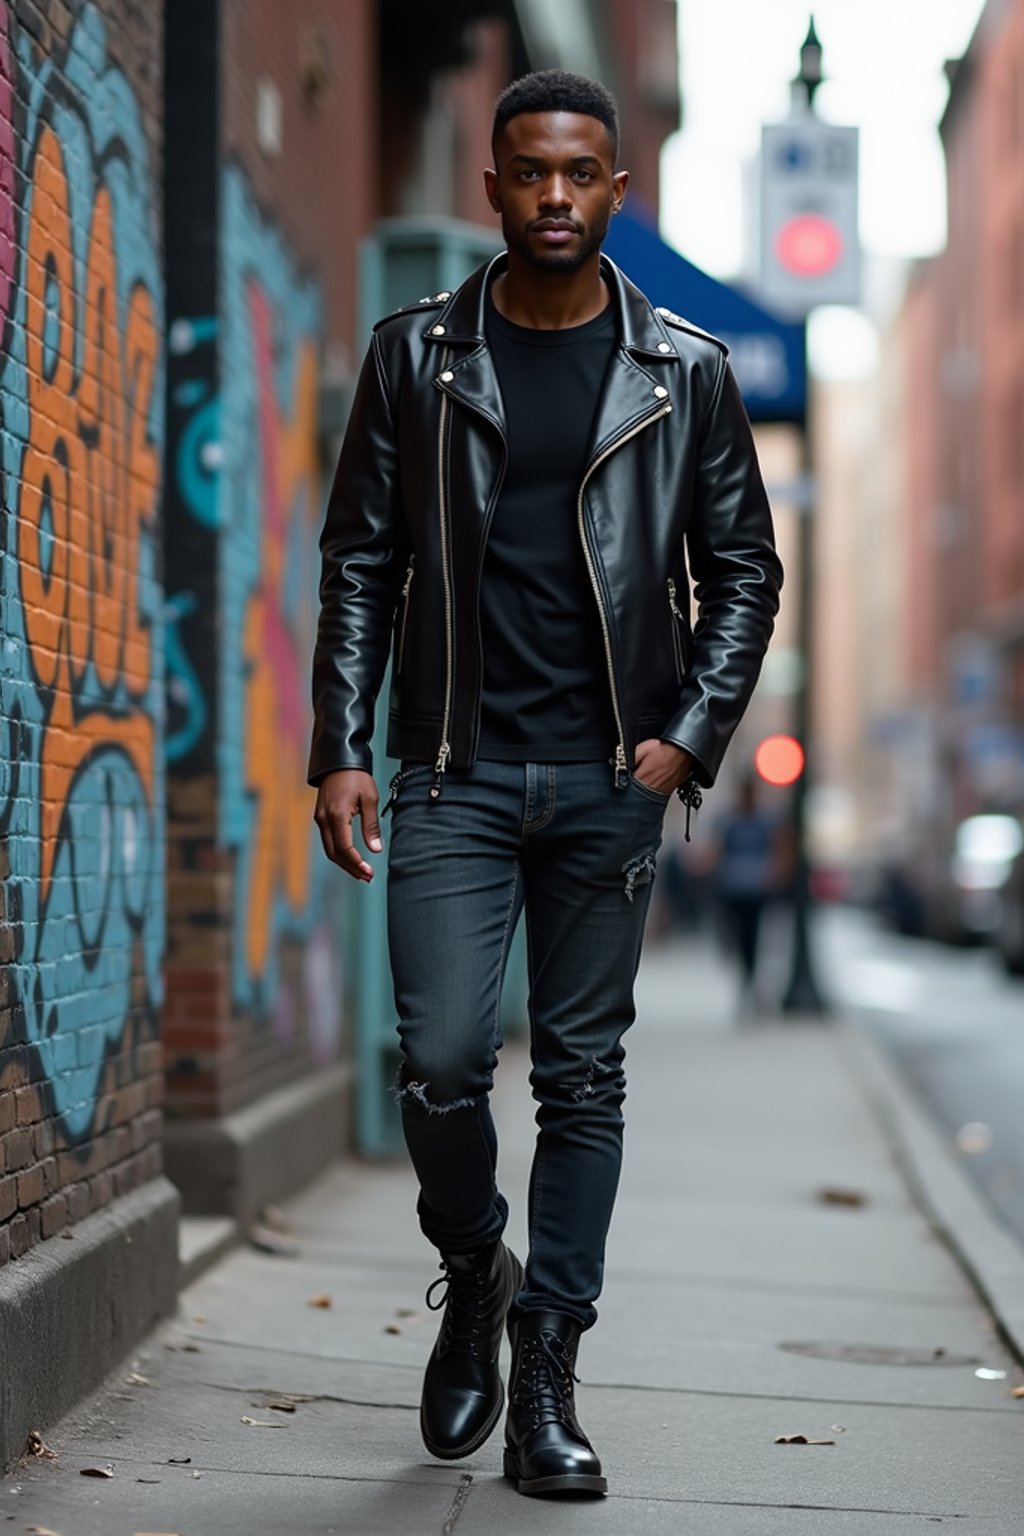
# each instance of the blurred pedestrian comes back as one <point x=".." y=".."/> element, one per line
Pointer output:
<point x="535" y="467"/>
<point x="750" y="873"/>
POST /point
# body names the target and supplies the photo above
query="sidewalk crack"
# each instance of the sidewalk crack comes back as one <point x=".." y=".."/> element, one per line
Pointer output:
<point x="458" y="1503"/>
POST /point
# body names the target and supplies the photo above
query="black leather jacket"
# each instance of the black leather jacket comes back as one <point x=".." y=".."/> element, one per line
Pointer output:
<point x="671" y="492"/>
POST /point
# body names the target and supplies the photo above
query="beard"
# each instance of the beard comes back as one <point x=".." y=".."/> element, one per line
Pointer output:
<point x="590" y="240"/>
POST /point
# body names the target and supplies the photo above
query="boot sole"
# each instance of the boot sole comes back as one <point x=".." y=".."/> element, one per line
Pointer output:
<point x="581" y="1482"/>
<point x="487" y="1430"/>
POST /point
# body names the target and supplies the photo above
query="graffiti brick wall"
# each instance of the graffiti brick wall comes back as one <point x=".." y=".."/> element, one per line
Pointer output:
<point x="81" y="654"/>
<point x="253" y="975"/>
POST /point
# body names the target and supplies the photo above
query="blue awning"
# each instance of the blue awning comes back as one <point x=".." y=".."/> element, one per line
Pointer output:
<point x="767" y="354"/>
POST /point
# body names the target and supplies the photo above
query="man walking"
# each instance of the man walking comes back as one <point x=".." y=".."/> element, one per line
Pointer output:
<point x="535" y="468"/>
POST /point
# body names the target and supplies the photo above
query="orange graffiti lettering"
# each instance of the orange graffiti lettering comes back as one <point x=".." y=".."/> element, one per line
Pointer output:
<point x="276" y="649"/>
<point x="89" y="464"/>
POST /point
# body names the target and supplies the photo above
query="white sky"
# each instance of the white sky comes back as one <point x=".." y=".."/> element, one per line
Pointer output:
<point x="883" y="65"/>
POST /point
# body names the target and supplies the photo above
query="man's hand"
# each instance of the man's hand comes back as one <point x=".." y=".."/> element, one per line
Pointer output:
<point x="340" y="798"/>
<point x="661" y="766"/>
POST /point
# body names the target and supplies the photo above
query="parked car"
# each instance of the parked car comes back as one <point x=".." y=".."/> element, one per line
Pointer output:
<point x="1009" y="934"/>
<point x="969" y="901"/>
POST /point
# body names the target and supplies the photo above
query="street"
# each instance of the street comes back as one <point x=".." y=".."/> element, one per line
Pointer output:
<point x="955" y="1022"/>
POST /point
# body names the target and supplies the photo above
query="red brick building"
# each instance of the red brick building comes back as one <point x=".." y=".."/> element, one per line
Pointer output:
<point x="964" y="331"/>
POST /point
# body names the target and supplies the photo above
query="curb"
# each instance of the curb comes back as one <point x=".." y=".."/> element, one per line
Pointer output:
<point x="985" y="1249"/>
<point x="202" y="1242"/>
<point x="71" y="1311"/>
<point x="238" y="1163"/>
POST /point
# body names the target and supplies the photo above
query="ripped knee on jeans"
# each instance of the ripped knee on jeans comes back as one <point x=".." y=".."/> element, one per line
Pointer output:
<point x="638" y="871"/>
<point x="585" y="1090"/>
<point x="411" y="1093"/>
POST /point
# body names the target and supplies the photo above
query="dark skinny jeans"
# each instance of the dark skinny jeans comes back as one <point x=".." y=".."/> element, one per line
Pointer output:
<point x="559" y="841"/>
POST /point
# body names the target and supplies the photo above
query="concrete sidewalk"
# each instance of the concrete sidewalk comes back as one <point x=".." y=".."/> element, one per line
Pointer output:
<point x="741" y="1304"/>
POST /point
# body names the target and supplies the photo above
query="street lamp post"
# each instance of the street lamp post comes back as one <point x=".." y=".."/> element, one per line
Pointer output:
<point x="803" y="995"/>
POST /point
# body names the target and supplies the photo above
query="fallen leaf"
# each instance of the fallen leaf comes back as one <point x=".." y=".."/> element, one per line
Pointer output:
<point x="133" y="1379"/>
<point x="260" y="1423"/>
<point x="282" y="1407"/>
<point x="153" y="1480"/>
<point x="1017" y="1392"/>
<point x="42" y="1530"/>
<point x="800" y="1440"/>
<point x="833" y="1194"/>
<point x="106" y="1471"/>
<point x="320" y="1301"/>
<point x="178" y="1461"/>
<point x="37" y="1446"/>
<point x="392" y="1328"/>
<point x="200" y="1319"/>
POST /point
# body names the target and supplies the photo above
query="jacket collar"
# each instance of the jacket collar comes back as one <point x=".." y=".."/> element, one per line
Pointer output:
<point x="461" y="321"/>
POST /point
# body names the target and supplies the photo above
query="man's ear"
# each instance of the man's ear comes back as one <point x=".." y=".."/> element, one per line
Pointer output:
<point x="491" y="188"/>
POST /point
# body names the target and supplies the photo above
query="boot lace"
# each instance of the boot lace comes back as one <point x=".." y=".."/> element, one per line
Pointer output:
<point x="465" y="1299"/>
<point x="544" y="1386"/>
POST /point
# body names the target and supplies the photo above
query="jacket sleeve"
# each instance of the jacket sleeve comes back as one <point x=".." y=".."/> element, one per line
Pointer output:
<point x="737" y="576"/>
<point x="360" y="548"/>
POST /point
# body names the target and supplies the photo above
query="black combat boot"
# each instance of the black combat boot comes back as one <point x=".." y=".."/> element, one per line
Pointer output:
<point x="463" y="1393"/>
<point x="546" y="1451"/>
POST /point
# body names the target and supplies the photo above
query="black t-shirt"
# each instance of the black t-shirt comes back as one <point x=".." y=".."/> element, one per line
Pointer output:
<point x="546" y="693"/>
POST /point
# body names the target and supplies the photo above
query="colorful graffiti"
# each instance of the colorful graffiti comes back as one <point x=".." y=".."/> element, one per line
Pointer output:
<point x="194" y="447"/>
<point x="81" y="672"/>
<point x="6" y="169"/>
<point x="269" y="516"/>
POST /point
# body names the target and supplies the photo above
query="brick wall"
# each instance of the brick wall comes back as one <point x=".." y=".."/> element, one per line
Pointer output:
<point x="81" y="675"/>
<point x="262" y="256"/>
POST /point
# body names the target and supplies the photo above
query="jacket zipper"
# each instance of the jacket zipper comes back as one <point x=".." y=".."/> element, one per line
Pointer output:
<point x="677" y="618"/>
<point x="444" y="751"/>
<point x="621" y="762"/>
<point x="405" y="611"/>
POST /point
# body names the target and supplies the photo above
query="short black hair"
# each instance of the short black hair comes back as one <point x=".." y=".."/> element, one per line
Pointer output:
<point x="556" y="90"/>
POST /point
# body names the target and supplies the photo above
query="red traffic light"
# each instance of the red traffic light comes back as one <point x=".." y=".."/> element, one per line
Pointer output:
<point x="809" y="245"/>
<point x="779" y="760"/>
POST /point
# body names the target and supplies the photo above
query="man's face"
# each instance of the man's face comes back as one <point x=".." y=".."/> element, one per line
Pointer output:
<point x="555" y="186"/>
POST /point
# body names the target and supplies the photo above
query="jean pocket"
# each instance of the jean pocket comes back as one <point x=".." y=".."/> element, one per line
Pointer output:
<point x="649" y="792"/>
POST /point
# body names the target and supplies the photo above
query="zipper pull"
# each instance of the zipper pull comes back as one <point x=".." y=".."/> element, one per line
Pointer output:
<point x="621" y="771"/>
<point x="439" y="768"/>
<point x="408" y="580"/>
<point x="392" y="794"/>
<point x="672" y="598"/>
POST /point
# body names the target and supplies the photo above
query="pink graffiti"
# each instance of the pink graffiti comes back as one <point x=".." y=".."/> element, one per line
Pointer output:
<point x="279" y="643"/>
<point x="6" y="166"/>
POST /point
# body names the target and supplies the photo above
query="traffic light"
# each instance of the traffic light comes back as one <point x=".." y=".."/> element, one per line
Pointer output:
<point x="810" y="253"/>
<point x="779" y="760"/>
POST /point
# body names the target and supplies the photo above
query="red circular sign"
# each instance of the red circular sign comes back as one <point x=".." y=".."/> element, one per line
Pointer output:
<point x="779" y="759"/>
<point x="809" y="245"/>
